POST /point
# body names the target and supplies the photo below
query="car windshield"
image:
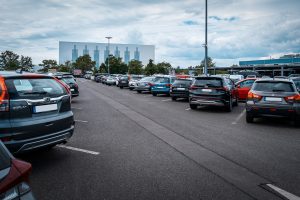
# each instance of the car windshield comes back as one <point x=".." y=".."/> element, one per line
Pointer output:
<point x="34" y="88"/>
<point x="68" y="80"/>
<point x="182" y="82"/>
<point x="4" y="158"/>
<point x="210" y="82"/>
<point x="264" y="86"/>
<point x="161" y="80"/>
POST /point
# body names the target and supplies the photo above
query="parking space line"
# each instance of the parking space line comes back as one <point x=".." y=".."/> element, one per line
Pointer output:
<point x="77" y="120"/>
<point x="284" y="193"/>
<point x="239" y="117"/>
<point x="188" y="109"/>
<point x="166" y="100"/>
<point x="78" y="149"/>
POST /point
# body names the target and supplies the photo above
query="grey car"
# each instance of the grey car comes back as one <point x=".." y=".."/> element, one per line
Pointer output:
<point x="35" y="111"/>
<point x="144" y="84"/>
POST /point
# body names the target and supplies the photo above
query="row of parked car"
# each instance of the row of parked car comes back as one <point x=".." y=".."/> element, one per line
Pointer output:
<point x="264" y="97"/>
<point x="35" y="112"/>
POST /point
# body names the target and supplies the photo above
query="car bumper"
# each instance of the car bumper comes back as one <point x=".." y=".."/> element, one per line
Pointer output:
<point x="161" y="90"/>
<point x="179" y="95"/>
<point x="207" y="102"/>
<point x="142" y="88"/>
<point x="18" y="146"/>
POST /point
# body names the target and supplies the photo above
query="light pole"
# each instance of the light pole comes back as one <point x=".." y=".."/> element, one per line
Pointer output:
<point x="108" y="38"/>
<point x="205" y="45"/>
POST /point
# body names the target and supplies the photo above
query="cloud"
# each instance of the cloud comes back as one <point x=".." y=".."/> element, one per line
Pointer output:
<point x="190" y="22"/>
<point x="230" y="19"/>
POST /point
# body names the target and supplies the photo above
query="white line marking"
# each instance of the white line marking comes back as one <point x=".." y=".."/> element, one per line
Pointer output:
<point x="166" y="100"/>
<point x="77" y="149"/>
<point x="76" y="108"/>
<point x="284" y="193"/>
<point x="76" y="120"/>
<point x="239" y="117"/>
<point x="188" y="109"/>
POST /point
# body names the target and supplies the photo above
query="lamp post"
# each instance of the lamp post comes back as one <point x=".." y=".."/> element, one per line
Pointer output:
<point x="108" y="38"/>
<point x="205" y="45"/>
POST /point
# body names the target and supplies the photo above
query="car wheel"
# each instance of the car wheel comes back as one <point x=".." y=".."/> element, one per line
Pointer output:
<point x="249" y="118"/>
<point x="229" y="105"/>
<point x="297" y="121"/>
<point x="154" y="94"/>
<point x="174" y="98"/>
<point x="139" y="91"/>
<point x="130" y="88"/>
<point x="193" y="106"/>
<point x="121" y="87"/>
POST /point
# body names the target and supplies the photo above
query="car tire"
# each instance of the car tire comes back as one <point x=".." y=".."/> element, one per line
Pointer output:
<point x="193" y="106"/>
<point x="139" y="91"/>
<point x="130" y="88"/>
<point x="121" y="87"/>
<point x="249" y="118"/>
<point x="174" y="98"/>
<point x="297" y="121"/>
<point x="229" y="105"/>
<point x="154" y="94"/>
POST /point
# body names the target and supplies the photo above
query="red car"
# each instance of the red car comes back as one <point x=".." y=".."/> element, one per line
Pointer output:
<point x="244" y="87"/>
<point x="13" y="177"/>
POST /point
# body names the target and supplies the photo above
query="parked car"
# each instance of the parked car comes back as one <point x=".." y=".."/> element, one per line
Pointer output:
<point x="88" y="75"/>
<point x="133" y="79"/>
<point x="294" y="76"/>
<point x="280" y="77"/>
<point x="180" y="89"/>
<point x="124" y="82"/>
<point x="111" y="80"/>
<point x="213" y="91"/>
<point x="244" y="87"/>
<point x="144" y="84"/>
<point x="70" y="81"/>
<point x="236" y="77"/>
<point x="273" y="97"/>
<point x="162" y="85"/>
<point x="104" y="78"/>
<point x="14" y="176"/>
<point x="251" y="76"/>
<point x="35" y="111"/>
<point x="296" y="80"/>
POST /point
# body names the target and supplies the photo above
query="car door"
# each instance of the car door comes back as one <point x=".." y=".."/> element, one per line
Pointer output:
<point x="244" y="87"/>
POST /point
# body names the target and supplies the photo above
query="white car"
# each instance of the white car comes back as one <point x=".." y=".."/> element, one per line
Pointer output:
<point x="236" y="77"/>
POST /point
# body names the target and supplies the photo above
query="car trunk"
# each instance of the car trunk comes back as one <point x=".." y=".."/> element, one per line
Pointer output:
<point x="208" y="88"/>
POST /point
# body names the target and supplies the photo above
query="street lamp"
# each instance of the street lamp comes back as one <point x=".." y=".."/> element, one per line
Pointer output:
<point x="205" y="45"/>
<point x="108" y="38"/>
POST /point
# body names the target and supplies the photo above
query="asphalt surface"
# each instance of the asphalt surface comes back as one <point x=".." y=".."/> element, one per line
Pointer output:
<point x="135" y="146"/>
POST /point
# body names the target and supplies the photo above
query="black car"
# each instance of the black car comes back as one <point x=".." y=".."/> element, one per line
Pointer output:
<point x="14" y="175"/>
<point x="35" y="111"/>
<point x="273" y="98"/>
<point x="123" y="82"/>
<point x="180" y="89"/>
<point x="213" y="91"/>
<point x="71" y="82"/>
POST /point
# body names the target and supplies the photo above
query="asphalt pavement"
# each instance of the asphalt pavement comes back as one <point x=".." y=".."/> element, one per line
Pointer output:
<point x="135" y="146"/>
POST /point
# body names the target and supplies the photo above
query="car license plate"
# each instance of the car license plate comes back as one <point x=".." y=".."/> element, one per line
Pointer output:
<point x="206" y="90"/>
<point x="180" y="88"/>
<point x="45" y="108"/>
<point x="72" y="90"/>
<point x="275" y="99"/>
<point x="123" y="81"/>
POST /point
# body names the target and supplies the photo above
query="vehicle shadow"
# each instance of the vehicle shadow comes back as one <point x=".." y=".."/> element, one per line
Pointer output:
<point x="274" y="122"/>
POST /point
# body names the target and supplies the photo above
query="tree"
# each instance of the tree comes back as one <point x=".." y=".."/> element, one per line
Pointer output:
<point x="102" y="68"/>
<point x="210" y="63"/>
<point x="116" y="66"/>
<point x="84" y="63"/>
<point x="135" y="67"/>
<point x="67" y="67"/>
<point x="9" y="60"/>
<point x="26" y="63"/>
<point x="164" y="68"/>
<point x="151" y="68"/>
<point x="48" y="64"/>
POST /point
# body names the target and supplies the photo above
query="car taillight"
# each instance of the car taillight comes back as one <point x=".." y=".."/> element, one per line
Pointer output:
<point x="192" y="87"/>
<point x="4" y="96"/>
<point x="292" y="99"/>
<point x="168" y="85"/>
<point x="150" y="84"/>
<point x="254" y="97"/>
<point x="64" y="85"/>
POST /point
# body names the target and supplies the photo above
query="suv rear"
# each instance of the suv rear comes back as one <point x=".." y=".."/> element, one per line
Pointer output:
<point x="123" y="82"/>
<point x="162" y="84"/>
<point x="180" y="89"/>
<point x="213" y="91"/>
<point x="273" y="98"/>
<point x="35" y="111"/>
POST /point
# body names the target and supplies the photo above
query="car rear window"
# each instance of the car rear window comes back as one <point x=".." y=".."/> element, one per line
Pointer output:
<point x="161" y="80"/>
<point x="68" y="80"/>
<point x="210" y="82"/>
<point x="4" y="158"/>
<point x="182" y="82"/>
<point x="34" y="88"/>
<point x="124" y="78"/>
<point x="273" y="86"/>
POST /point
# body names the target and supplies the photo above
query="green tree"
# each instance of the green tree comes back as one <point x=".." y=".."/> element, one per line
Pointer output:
<point x="163" y="68"/>
<point x="84" y="63"/>
<point x="26" y="63"/>
<point x="67" y="67"/>
<point x="210" y="63"/>
<point x="48" y="64"/>
<point x="150" y="68"/>
<point x="116" y="66"/>
<point x="9" y="60"/>
<point x="135" y="67"/>
<point x="102" y="68"/>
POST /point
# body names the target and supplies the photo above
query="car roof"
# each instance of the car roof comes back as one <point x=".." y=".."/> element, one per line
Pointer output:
<point x="274" y="80"/>
<point x="9" y="74"/>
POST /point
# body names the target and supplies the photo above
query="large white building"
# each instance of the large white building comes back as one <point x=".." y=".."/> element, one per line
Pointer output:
<point x="70" y="51"/>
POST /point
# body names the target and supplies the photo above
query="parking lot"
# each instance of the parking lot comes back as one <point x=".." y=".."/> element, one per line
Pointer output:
<point x="135" y="146"/>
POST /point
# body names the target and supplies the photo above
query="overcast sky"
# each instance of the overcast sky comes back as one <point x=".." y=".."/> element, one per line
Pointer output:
<point x="238" y="29"/>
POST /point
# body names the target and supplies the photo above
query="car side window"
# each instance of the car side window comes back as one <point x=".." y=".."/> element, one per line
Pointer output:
<point x="246" y="84"/>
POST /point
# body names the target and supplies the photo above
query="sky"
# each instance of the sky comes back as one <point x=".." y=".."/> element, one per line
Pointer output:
<point x="237" y="29"/>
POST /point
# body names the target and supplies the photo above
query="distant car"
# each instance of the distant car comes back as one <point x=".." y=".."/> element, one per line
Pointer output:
<point x="180" y="89"/>
<point x="265" y="77"/>
<point x="213" y="91"/>
<point x="111" y="80"/>
<point x="296" y="80"/>
<point x="104" y="78"/>
<point x="14" y="176"/>
<point x="277" y="98"/>
<point x="236" y="78"/>
<point x="294" y="76"/>
<point x="162" y="85"/>
<point x="35" y="111"/>
<point x="70" y="81"/>
<point x="123" y="81"/>
<point x="133" y="79"/>
<point x="280" y="77"/>
<point x="251" y="76"/>
<point x="244" y="87"/>
<point x="88" y="75"/>
<point x="144" y="84"/>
